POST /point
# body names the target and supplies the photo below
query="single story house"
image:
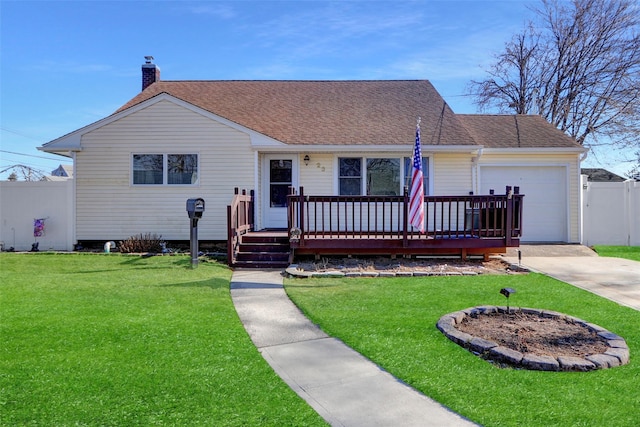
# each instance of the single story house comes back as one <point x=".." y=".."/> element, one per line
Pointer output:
<point x="176" y="140"/>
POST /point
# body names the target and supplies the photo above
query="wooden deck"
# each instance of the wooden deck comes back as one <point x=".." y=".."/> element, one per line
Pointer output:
<point x="378" y="225"/>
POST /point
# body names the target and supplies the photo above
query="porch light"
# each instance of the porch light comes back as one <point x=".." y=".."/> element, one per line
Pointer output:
<point x="306" y="160"/>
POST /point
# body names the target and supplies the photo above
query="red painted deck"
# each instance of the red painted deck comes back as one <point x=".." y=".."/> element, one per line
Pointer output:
<point x="368" y="225"/>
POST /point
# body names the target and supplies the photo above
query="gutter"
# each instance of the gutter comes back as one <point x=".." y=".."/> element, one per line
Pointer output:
<point x="326" y="148"/>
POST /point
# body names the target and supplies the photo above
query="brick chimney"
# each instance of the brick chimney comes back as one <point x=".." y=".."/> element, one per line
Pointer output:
<point x="150" y="72"/>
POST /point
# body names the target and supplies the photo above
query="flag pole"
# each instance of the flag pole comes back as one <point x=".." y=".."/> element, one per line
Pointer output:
<point x="416" y="195"/>
<point x="408" y="174"/>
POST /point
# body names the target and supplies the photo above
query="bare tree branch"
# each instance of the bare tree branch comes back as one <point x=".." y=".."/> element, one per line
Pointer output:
<point x="577" y="65"/>
<point x="27" y="173"/>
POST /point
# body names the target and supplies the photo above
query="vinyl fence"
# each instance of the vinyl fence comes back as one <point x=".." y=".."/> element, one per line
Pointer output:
<point x="610" y="213"/>
<point x="36" y="212"/>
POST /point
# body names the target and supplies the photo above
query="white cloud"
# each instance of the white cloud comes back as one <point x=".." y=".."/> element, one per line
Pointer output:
<point x="217" y="10"/>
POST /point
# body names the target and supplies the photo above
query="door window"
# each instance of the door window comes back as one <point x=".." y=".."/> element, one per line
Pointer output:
<point x="280" y="179"/>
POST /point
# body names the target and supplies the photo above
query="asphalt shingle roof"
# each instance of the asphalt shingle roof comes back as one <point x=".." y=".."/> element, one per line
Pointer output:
<point x="515" y="131"/>
<point x="371" y="112"/>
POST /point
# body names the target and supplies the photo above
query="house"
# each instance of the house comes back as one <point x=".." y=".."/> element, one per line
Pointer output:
<point x="601" y="175"/>
<point x="61" y="173"/>
<point x="175" y="140"/>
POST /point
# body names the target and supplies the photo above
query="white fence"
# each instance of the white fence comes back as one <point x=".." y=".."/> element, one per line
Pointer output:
<point x="610" y="213"/>
<point x="21" y="203"/>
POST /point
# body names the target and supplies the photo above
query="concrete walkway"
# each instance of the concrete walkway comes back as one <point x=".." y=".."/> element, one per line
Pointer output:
<point x="616" y="279"/>
<point x="347" y="389"/>
<point x="344" y="387"/>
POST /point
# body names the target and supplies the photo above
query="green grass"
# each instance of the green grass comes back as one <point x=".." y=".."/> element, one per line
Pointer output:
<point x="96" y="340"/>
<point x="628" y="252"/>
<point x="392" y="322"/>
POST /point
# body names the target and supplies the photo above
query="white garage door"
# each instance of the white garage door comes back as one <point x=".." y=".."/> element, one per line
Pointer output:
<point x="544" y="217"/>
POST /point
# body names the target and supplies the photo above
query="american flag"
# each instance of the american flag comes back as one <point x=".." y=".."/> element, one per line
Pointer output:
<point x="416" y="197"/>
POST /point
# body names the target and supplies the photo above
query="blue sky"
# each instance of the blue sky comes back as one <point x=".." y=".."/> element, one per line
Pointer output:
<point x="66" y="64"/>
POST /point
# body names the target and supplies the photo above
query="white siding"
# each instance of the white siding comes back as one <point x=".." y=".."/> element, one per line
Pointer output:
<point x="452" y="174"/>
<point x="317" y="178"/>
<point x="110" y="208"/>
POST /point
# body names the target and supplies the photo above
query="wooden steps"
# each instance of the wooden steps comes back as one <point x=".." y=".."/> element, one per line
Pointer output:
<point x="263" y="249"/>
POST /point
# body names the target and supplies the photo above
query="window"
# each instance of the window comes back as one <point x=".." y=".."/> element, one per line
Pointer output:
<point x="382" y="176"/>
<point x="147" y="168"/>
<point x="280" y="178"/>
<point x="425" y="173"/>
<point x="182" y="169"/>
<point x="350" y="176"/>
<point x="161" y="169"/>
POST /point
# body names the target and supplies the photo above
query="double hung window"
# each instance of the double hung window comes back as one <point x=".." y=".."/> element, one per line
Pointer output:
<point x="350" y="170"/>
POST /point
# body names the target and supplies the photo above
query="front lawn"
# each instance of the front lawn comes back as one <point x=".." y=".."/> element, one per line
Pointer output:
<point x="628" y="252"/>
<point x="116" y="340"/>
<point x="392" y="322"/>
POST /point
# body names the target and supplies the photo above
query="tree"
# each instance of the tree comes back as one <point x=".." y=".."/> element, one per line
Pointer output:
<point x="578" y="66"/>
<point x="28" y="173"/>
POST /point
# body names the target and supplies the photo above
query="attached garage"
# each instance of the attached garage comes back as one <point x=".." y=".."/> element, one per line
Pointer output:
<point x="545" y="216"/>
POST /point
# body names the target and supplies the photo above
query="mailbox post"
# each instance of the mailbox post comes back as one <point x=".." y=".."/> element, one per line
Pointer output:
<point x="195" y="208"/>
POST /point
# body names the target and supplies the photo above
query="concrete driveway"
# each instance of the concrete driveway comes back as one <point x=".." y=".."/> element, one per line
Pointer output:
<point x="614" y="278"/>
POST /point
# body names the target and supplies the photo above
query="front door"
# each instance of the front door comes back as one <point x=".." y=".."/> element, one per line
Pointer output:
<point x="279" y="173"/>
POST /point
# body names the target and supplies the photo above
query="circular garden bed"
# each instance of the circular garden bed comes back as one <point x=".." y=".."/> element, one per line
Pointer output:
<point x="528" y="338"/>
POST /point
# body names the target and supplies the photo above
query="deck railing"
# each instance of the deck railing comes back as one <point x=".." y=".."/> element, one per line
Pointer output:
<point x="315" y="221"/>
<point x="240" y="220"/>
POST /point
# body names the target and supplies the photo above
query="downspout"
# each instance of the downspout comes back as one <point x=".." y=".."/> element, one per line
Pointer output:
<point x="72" y="233"/>
<point x="583" y="238"/>
<point x="257" y="194"/>
<point x="474" y="171"/>
<point x="584" y="156"/>
<point x="583" y="202"/>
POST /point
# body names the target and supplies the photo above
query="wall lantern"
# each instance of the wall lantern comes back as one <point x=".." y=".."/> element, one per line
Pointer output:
<point x="306" y="160"/>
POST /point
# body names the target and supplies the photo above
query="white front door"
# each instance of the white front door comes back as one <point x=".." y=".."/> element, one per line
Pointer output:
<point x="279" y="172"/>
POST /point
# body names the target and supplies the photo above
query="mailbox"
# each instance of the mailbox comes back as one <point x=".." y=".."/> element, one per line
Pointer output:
<point x="195" y="208"/>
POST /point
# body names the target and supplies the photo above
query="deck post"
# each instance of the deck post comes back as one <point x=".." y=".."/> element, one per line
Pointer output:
<point x="508" y="227"/>
<point x="230" y="227"/>
<point x="251" y="209"/>
<point x="405" y="218"/>
<point x="290" y="210"/>
<point x="301" y="215"/>
<point x="245" y="205"/>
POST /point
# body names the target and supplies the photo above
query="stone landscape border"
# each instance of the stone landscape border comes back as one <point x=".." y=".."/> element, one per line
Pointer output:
<point x="617" y="353"/>
<point x="294" y="271"/>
